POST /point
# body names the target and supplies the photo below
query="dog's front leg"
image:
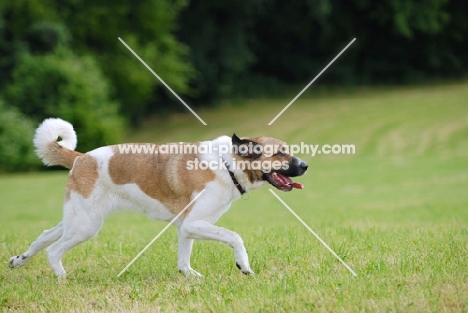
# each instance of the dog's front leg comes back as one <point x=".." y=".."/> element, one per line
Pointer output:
<point x="185" y="250"/>
<point x="200" y="229"/>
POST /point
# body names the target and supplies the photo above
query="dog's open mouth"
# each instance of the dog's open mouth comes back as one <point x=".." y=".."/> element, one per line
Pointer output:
<point x="282" y="182"/>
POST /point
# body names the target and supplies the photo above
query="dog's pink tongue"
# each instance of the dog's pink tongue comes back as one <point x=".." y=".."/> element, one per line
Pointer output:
<point x="288" y="181"/>
<point x="297" y="185"/>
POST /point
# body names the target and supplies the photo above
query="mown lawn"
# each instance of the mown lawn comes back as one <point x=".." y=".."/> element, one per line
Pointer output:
<point x="396" y="212"/>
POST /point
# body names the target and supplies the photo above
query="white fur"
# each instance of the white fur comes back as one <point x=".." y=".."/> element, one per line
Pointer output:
<point x="48" y="132"/>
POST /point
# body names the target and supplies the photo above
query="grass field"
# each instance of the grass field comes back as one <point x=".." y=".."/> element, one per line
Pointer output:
<point x="396" y="212"/>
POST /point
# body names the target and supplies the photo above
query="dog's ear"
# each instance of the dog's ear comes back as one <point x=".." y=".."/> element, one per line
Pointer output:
<point x="236" y="141"/>
<point x="246" y="148"/>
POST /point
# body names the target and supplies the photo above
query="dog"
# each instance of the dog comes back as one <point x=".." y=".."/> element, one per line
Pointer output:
<point x="159" y="183"/>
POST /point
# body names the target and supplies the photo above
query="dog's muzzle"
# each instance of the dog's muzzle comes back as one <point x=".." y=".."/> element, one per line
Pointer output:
<point x="281" y="178"/>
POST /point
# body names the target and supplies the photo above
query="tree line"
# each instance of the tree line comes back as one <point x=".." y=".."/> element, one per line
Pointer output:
<point x="63" y="58"/>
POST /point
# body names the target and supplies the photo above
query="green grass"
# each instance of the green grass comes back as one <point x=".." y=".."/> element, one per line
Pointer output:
<point x="396" y="212"/>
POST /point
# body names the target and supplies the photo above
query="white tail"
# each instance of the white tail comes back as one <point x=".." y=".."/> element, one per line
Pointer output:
<point x="48" y="132"/>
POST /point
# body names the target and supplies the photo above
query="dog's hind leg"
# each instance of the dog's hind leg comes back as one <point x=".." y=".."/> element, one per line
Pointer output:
<point x="44" y="240"/>
<point x="79" y="226"/>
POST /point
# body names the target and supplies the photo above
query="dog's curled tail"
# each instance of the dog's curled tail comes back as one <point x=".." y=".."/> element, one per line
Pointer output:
<point x="49" y="149"/>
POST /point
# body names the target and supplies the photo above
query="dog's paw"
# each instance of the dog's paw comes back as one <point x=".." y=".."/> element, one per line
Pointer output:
<point x="190" y="272"/>
<point x="62" y="279"/>
<point x="247" y="272"/>
<point x="18" y="261"/>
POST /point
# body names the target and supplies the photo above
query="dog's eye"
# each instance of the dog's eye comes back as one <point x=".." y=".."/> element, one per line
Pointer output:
<point x="280" y="153"/>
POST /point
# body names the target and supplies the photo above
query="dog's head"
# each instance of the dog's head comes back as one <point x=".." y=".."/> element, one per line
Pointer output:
<point x="269" y="160"/>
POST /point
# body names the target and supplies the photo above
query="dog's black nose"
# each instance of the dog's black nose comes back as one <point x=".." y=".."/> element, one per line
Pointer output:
<point x="304" y="165"/>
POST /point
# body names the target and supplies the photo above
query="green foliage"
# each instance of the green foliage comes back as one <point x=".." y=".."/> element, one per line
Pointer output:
<point x="92" y="28"/>
<point x="146" y="26"/>
<point x="398" y="41"/>
<point x="16" y="148"/>
<point x="412" y="16"/>
<point x="219" y="44"/>
<point x="70" y="87"/>
<point x="45" y="37"/>
<point x="210" y="50"/>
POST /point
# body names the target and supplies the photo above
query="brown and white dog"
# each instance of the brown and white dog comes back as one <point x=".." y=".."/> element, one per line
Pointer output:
<point x="159" y="185"/>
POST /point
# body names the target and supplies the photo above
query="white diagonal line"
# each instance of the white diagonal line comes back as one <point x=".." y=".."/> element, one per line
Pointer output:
<point x="163" y="82"/>
<point x="160" y="233"/>
<point x="305" y="88"/>
<point x="313" y="233"/>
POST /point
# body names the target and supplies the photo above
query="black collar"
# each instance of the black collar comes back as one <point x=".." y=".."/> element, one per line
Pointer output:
<point x="234" y="179"/>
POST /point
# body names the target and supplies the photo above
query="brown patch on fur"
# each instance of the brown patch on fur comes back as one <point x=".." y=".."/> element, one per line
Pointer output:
<point x="59" y="155"/>
<point x="83" y="176"/>
<point x="163" y="177"/>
